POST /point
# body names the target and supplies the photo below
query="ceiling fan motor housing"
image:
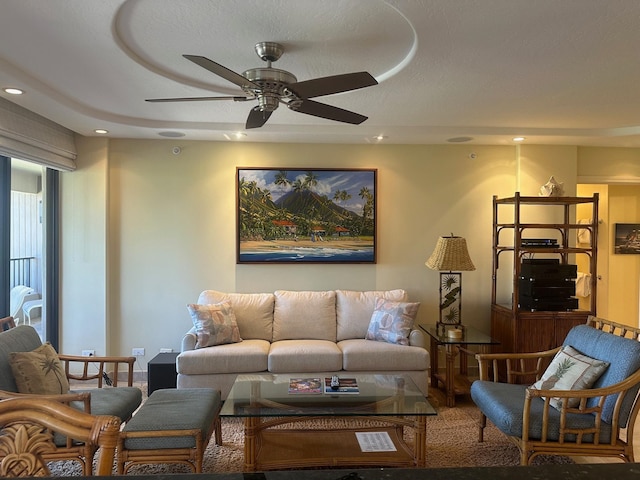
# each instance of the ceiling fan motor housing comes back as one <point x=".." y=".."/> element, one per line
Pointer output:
<point x="273" y="84"/>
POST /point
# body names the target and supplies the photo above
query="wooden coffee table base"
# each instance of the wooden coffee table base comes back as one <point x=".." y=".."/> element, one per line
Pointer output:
<point x="269" y="448"/>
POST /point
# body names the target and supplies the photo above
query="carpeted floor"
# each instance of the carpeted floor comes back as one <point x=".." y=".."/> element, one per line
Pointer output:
<point x="451" y="442"/>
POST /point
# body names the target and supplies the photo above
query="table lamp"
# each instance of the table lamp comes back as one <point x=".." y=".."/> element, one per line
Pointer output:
<point x="450" y="257"/>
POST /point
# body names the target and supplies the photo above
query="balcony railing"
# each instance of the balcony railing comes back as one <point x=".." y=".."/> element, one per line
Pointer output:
<point x="20" y="271"/>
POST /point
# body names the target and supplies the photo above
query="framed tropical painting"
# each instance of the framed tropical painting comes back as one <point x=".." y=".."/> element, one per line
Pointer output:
<point x="627" y="238"/>
<point x="306" y="216"/>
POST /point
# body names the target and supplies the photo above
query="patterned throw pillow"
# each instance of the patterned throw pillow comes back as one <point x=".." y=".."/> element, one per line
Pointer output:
<point x="570" y="370"/>
<point x="391" y="321"/>
<point x="215" y="324"/>
<point x="39" y="371"/>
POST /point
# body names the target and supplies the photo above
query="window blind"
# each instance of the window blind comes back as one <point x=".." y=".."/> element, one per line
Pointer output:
<point x="29" y="136"/>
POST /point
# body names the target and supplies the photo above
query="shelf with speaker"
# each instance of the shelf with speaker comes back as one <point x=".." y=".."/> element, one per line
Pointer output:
<point x="536" y="260"/>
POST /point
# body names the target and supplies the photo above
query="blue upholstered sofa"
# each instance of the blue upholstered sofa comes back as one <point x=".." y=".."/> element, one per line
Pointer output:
<point x="538" y="424"/>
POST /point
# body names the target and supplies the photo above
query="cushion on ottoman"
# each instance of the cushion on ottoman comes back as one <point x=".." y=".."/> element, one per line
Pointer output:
<point x="304" y="356"/>
<point x="170" y="409"/>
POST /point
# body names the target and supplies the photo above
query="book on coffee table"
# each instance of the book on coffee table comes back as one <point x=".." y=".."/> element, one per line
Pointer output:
<point x="347" y="386"/>
<point x="305" y="385"/>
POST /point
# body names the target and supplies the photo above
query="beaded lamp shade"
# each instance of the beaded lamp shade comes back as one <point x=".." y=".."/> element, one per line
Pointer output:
<point x="450" y="256"/>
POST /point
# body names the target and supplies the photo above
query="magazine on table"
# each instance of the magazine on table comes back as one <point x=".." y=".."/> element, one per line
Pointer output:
<point x="347" y="386"/>
<point x="305" y="385"/>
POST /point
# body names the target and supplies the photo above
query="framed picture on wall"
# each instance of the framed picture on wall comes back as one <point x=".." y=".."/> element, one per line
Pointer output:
<point x="627" y="238"/>
<point x="289" y="215"/>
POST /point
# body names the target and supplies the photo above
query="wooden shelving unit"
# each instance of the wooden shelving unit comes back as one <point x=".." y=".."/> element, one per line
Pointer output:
<point x="528" y="331"/>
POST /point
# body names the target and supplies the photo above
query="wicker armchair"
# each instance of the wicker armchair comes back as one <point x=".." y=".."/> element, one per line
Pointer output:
<point x="27" y="427"/>
<point x="90" y="371"/>
<point x="603" y="421"/>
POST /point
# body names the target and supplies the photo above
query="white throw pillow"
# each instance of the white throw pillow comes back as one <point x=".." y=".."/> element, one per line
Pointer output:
<point x="570" y="370"/>
<point x="215" y="324"/>
<point x="392" y="322"/>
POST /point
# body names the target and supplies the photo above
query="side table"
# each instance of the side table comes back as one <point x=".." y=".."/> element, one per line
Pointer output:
<point x="454" y="384"/>
<point x="161" y="372"/>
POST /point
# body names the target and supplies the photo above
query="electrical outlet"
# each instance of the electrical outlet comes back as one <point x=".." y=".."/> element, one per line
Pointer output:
<point x="166" y="350"/>
<point x="88" y="353"/>
<point x="137" y="352"/>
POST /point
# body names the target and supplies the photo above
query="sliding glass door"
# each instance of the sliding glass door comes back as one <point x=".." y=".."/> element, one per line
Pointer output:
<point x="29" y="254"/>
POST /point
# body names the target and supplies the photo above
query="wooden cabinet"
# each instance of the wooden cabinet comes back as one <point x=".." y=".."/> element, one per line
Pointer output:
<point x="520" y="330"/>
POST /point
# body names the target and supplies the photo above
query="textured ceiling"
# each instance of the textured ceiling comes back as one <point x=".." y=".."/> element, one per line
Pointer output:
<point x="556" y="72"/>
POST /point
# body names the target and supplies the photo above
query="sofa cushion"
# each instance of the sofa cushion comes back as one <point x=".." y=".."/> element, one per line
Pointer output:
<point x="354" y="310"/>
<point x="243" y="357"/>
<point x="215" y="324"/>
<point x="367" y="355"/>
<point x="392" y="321"/>
<point x="22" y="338"/>
<point x="570" y="370"/>
<point x="304" y="315"/>
<point x="304" y="356"/>
<point x="623" y="355"/>
<point x="253" y="311"/>
<point x="39" y="371"/>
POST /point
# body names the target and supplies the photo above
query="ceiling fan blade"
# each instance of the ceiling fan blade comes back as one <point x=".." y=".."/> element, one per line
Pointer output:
<point x="221" y="71"/>
<point x="257" y="118"/>
<point x="197" y="99"/>
<point x="330" y="112"/>
<point x="335" y="84"/>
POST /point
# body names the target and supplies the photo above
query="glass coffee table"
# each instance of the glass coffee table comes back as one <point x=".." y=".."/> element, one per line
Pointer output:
<point x="296" y="421"/>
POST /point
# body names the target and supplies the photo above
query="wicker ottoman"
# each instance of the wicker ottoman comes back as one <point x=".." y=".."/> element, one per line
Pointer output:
<point x="172" y="426"/>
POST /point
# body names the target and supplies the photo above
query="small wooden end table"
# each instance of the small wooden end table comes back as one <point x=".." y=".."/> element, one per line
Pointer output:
<point x="454" y="384"/>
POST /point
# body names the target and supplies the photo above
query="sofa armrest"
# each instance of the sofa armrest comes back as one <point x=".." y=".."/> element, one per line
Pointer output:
<point x="189" y="340"/>
<point x="516" y="365"/>
<point x="100" y="363"/>
<point x="417" y="339"/>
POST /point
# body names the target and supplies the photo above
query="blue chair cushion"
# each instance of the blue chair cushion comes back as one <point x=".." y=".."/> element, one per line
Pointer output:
<point x="623" y="354"/>
<point x="503" y="405"/>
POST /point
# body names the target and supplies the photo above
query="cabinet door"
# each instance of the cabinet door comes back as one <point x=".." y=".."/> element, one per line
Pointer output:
<point x="536" y="332"/>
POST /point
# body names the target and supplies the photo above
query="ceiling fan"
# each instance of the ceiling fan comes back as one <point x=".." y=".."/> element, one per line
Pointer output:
<point x="272" y="86"/>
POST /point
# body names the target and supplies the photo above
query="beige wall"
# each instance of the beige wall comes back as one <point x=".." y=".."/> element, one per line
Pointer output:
<point x="170" y="224"/>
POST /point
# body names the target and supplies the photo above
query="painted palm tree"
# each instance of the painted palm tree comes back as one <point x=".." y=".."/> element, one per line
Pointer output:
<point x="52" y="365"/>
<point x="281" y="178"/>
<point x="310" y="180"/>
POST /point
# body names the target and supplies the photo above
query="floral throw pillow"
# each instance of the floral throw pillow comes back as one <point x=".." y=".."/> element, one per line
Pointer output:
<point x="214" y="324"/>
<point x="570" y="370"/>
<point x="39" y="371"/>
<point x="391" y="321"/>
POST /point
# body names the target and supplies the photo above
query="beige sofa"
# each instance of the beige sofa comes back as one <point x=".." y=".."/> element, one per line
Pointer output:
<point x="300" y="332"/>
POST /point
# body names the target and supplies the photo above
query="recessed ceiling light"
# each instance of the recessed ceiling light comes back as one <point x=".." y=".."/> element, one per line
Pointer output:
<point x="234" y="136"/>
<point x="13" y="91"/>
<point x="101" y="131"/>
<point x="459" y="139"/>
<point x="380" y="137"/>
<point x="171" y="134"/>
<point x="519" y="139"/>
